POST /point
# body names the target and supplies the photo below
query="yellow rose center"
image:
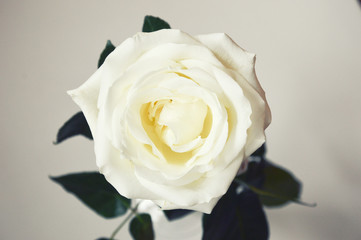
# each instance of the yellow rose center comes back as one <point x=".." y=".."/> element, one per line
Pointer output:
<point x="176" y="126"/>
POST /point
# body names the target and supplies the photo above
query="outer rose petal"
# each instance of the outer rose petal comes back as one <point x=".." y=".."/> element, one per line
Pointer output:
<point x="86" y="96"/>
<point x="242" y="62"/>
<point x="210" y="188"/>
<point x="119" y="173"/>
<point x="232" y="56"/>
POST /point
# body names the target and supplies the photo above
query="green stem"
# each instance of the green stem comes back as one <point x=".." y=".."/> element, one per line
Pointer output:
<point x="133" y="211"/>
<point x="121" y="225"/>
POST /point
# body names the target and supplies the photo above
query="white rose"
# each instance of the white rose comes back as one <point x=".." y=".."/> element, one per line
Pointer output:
<point x="173" y="116"/>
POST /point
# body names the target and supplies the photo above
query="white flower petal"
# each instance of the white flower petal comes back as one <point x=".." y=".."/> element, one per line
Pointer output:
<point x="236" y="58"/>
<point x="201" y="194"/>
<point x="119" y="171"/>
<point x="86" y="96"/>
<point x="259" y="117"/>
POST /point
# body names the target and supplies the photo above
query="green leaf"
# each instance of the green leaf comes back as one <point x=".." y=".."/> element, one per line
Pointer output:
<point x="141" y="227"/>
<point x="152" y="24"/>
<point x="95" y="192"/>
<point x="279" y="182"/>
<point x="236" y="216"/>
<point x="76" y="125"/>
<point x="109" y="47"/>
<point x="275" y="185"/>
<point x="176" y="213"/>
<point x="260" y="152"/>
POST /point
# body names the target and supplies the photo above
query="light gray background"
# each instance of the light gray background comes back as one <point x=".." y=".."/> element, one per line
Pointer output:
<point x="308" y="61"/>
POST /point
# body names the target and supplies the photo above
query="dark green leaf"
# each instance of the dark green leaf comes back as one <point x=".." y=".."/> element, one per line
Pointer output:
<point x="76" y="125"/>
<point x="152" y="24"/>
<point x="141" y="227"/>
<point x="280" y="182"/>
<point x="237" y="216"/>
<point x="260" y="152"/>
<point x="109" y="47"/>
<point x="95" y="192"/>
<point x="103" y="238"/>
<point x="275" y="185"/>
<point x="176" y="213"/>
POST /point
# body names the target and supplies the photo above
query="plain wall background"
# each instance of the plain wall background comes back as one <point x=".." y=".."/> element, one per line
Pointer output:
<point x="308" y="61"/>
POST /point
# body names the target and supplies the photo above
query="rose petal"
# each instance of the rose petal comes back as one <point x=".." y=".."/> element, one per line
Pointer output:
<point x="236" y="58"/>
<point x="86" y="97"/>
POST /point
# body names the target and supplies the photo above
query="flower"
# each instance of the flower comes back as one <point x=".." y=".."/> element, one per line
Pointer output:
<point x="174" y="116"/>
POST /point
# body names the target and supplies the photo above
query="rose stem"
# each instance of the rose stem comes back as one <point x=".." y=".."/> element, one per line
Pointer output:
<point x="133" y="211"/>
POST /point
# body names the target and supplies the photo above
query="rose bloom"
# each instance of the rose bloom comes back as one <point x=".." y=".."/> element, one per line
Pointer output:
<point x="173" y="117"/>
